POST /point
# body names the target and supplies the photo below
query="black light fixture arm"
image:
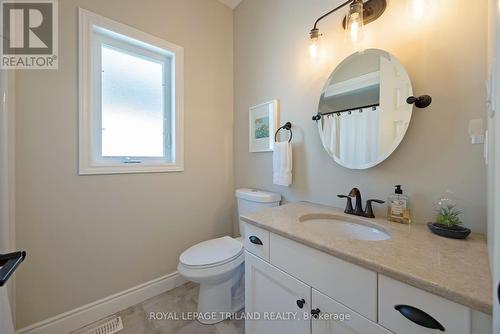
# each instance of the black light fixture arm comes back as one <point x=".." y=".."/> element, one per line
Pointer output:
<point x="330" y="12"/>
<point x="372" y="10"/>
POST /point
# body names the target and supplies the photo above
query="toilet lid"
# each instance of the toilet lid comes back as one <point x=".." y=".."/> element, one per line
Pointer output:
<point x="211" y="252"/>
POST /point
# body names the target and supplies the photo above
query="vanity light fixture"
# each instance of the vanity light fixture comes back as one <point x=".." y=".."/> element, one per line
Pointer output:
<point x="355" y="21"/>
<point x="360" y="13"/>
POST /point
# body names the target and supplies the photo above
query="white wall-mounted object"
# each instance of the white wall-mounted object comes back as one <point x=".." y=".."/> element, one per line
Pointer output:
<point x="476" y="131"/>
<point x="291" y="277"/>
<point x="109" y="116"/>
<point x="263" y="120"/>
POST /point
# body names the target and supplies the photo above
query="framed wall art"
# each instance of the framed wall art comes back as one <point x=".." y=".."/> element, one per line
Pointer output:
<point x="263" y="119"/>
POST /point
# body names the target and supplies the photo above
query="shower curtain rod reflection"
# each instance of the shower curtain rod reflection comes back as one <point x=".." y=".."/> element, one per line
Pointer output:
<point x="318" y="116"/>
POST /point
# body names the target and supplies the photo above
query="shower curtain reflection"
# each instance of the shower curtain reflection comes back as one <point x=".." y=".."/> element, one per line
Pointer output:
<point x="353" y="138"/>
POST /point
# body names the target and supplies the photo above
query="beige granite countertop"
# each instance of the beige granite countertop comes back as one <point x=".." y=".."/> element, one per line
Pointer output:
<point x="457" y="270"/>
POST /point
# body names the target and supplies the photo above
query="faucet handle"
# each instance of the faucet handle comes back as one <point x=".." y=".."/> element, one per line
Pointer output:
<point x="369" y="210"/>
<point x="348" y="206"/>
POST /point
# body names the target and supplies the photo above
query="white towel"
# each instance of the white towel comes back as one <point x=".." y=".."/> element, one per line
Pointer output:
<point x="282" y="164"/>
<point x="6" y="326"/>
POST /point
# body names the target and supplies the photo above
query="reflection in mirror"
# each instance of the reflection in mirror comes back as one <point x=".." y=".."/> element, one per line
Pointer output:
<point x="364" y="114"/>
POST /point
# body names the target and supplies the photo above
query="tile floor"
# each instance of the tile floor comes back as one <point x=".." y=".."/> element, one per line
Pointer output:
<point x="182" y="299"/>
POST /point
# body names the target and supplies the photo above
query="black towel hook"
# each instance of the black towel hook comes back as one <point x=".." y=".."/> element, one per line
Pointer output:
<point x="287" y="126"/>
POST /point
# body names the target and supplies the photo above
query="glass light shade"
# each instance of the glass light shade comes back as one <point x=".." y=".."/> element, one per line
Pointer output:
<point x="315" y="48"/>
<point x="354" y="21"/>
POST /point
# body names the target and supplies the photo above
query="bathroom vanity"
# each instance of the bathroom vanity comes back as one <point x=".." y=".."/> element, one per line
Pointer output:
<point x="313" y="269"/>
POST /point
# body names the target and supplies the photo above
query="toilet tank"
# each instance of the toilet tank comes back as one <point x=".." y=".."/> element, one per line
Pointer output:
<point x="252" y="200"/>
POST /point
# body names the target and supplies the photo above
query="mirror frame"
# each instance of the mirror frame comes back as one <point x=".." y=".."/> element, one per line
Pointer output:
<point x="395" y="144"/>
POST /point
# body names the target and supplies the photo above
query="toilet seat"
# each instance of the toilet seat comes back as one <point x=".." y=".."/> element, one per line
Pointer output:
<point x="211" y="253"/>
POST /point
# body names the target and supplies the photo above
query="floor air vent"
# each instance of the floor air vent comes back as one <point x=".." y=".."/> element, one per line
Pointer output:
<point x="112" y="325"/>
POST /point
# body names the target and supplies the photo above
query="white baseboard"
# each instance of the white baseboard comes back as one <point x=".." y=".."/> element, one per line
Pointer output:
<point x="87" y="314"/>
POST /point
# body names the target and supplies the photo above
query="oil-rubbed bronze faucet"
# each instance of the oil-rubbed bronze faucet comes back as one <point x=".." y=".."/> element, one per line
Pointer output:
<point x="358" y="209"/>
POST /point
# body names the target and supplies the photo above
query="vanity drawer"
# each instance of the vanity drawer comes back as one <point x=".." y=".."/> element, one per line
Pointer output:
<point x="257" y="241"/>
<point x="455" y="318"/>
<point x="349" y="284"/>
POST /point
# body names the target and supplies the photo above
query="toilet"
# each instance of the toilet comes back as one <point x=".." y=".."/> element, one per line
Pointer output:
<point x="217" y="265"/>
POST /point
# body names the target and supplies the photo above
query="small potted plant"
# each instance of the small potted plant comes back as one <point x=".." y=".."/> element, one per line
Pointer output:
<point x="448" y="223"/>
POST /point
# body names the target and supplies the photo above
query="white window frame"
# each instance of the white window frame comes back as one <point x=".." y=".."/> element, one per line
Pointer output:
<point x="93" y="29"/>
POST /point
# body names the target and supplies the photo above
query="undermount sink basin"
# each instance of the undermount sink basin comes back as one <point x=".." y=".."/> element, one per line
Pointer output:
<point x="347" y="227"/>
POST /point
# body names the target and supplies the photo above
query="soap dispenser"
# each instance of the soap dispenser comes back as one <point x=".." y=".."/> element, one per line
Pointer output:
<point x="398" y="210"/>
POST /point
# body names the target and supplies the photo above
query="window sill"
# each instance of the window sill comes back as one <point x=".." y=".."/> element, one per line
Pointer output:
<point x="129" y="168"/>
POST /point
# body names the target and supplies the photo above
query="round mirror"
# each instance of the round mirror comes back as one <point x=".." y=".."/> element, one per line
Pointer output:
<point x="363" y="109"/>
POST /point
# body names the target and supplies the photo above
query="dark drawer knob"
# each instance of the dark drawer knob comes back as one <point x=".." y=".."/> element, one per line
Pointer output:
<point x="315" y="313"/>
<point x="300" y="303"/>
<point x="255" y="240"/>
<point x="419" y="317"/>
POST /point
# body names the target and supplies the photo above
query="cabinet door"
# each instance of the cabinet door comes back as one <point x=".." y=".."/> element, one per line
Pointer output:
<point x="272" y="295"/>
<point x="335" y="318"/>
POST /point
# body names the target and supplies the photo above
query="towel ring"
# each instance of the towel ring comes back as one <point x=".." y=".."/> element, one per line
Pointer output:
<point x="287" y="126"/>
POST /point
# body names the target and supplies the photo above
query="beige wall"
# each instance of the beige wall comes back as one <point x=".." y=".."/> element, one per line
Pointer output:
<point x="493" y="50"/>
<point x="445" y="56"/>
<point x="88" y="237"/>
<point x="7" y="168"/>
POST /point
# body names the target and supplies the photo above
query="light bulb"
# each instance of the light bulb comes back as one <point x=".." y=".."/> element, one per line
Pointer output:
<point x="315" y="45"/>
<point x="354" y="31"/>
<point x="354" y="21"/>
<point x="314" y="48"/>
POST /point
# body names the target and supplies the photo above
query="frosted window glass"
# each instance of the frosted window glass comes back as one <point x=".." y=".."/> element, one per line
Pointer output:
<point x="132" y="105"/>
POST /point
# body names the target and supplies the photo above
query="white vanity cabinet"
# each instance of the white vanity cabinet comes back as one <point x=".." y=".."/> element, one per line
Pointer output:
<point x="284" y="278"/>
<point x="453" y="318"/>
<point x="355" y="324"/>
<point x="269" y="291"/>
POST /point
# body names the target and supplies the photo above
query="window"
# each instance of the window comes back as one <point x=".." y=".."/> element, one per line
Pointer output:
<point x="130" y="108"/>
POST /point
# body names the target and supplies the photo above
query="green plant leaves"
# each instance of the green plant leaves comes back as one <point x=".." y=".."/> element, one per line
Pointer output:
<point x="448" y="215"/>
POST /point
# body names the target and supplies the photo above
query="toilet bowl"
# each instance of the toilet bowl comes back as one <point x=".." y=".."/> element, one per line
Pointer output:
<point x="217" y="265"/>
